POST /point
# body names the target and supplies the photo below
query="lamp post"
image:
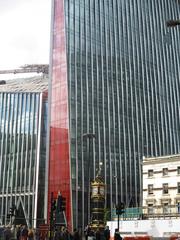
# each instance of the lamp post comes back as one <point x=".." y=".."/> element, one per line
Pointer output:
<point x="89" y="137"/>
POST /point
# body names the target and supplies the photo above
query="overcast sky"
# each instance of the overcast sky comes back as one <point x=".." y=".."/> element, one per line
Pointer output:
<point x="24" y="32"/>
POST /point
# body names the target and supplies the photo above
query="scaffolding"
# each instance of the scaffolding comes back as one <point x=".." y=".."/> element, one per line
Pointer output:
<point x="28" y="68"/>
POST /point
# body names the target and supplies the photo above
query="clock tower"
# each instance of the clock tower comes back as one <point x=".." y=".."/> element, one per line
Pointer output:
<point x="97" y="203"/>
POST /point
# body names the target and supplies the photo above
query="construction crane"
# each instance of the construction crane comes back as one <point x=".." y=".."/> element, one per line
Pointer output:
<point x="28" y="68"/>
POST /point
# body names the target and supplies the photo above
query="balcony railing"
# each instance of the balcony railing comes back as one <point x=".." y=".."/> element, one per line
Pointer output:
<point x="153" y="212"/>
<point x="168" y="211"/>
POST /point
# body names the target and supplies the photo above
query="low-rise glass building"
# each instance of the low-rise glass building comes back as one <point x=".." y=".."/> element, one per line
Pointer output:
<point x="23" y="125"/>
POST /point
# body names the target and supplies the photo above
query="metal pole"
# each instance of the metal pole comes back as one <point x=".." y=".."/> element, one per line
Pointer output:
<point x="89" y="173"/>
<point x="118" y="222"/>
<point x="10" y="219"/>
<point x="51" y="217"/>
<point x="89" y="136"/>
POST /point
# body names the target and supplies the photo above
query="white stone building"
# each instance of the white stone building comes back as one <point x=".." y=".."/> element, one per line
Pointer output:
<point x="161" y="186"/>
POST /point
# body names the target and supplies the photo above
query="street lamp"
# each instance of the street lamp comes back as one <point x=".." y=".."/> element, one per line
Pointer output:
<point x="89" y="137"/>
<point x="173" y="23"/>
<point x="99" y="169"/>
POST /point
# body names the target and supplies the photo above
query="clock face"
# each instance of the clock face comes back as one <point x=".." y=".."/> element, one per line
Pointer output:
<point x="102" y="190"/>
<point x="95" y="191"/>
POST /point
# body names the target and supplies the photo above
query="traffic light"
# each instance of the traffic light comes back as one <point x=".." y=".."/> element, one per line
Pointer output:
<point x="61" y="203"/>
<point x="53" y="205"/>
<point x="120" y="209"/>
<point x="12" y="211"/>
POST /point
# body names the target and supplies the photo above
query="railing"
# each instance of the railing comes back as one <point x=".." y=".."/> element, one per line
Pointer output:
<point x="154" y="212"/>
<point x="169" y="211"/>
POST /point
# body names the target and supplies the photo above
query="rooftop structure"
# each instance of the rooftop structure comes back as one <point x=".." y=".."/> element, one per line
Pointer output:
<point x="32" y="84"/>
<point x="28" y="68"/>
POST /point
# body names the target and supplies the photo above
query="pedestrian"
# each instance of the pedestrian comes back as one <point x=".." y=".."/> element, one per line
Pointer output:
<point x="76" y="235"/>
<point x="57" y="234"/>
<point x="36" y="234"/>
<point x="18" y="232"/>
<point x="2" y="231"/>
<point x="80" y="232"/>
<point x="24" y="233"/>
<point x="30" y="234"/>
<point x="7" y="233"/>
<point x="117" y="235"/>
<point x="87" y="231"/>
<point x="107" y="233"/>
<point x="66" y="234"/>
<point x="98" y="235"/>
<point x="91" y="234"/>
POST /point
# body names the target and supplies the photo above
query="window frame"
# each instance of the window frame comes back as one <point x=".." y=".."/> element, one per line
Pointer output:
<point x="165" y="172"/>
<point x="165" y="208"/>
<point x="178" y="207"/>
<point x="150" y="172"/>
<point x="150" y="189"/>
<point x="165" y="188"/>
<point x="150" y="209"/>
<point x="178" y="187"/>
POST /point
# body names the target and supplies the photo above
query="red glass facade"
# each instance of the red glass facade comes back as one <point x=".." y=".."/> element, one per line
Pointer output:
<point x="59" y="162"/>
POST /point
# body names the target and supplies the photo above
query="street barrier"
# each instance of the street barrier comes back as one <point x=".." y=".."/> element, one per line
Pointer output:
<point x="137" y="238"/>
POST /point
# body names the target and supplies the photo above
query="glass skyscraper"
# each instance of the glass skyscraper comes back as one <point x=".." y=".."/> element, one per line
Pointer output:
<point x="23" y="128"/>
<point x="115" y="74"/>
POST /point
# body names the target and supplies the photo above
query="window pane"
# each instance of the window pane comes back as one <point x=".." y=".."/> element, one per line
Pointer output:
<point x="150" y="209"/>
<point x="178" y="207"/>
<point x="150" y="189"/>
<point x="165" y="171"/>
<point x="165" y="208"/>
<point x="165" y="188"/>
<point x="178" y="187"/>
<point x="150" y="172"/>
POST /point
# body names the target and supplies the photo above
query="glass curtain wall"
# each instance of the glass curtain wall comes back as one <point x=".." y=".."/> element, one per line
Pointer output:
<point x="123" y="82"/>
<point x="20" y="115"/>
